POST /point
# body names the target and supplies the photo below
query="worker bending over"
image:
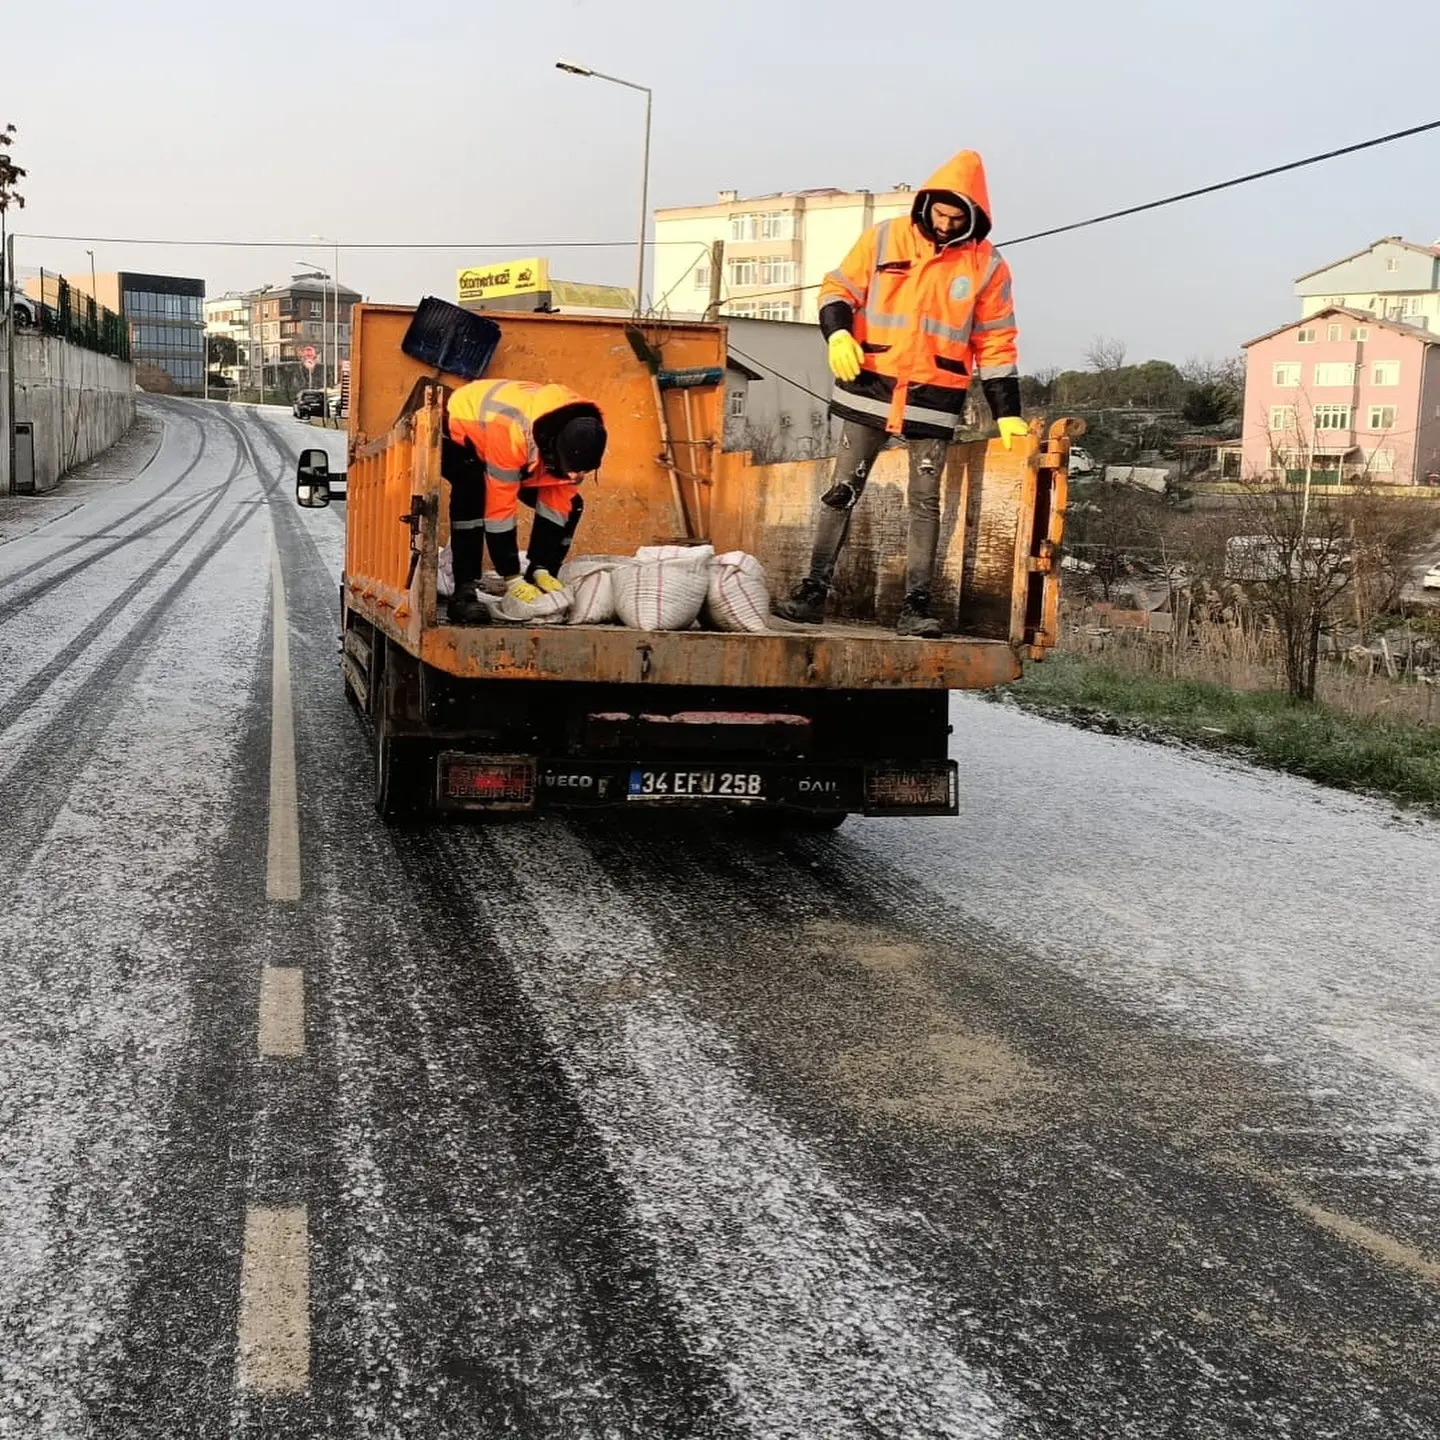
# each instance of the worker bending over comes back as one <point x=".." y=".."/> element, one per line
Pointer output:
<point x="918" y="307"/>
<point x="507" y="443"/>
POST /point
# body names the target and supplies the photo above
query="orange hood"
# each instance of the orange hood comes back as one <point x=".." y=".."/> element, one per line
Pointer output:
<point x="962" y="175"/>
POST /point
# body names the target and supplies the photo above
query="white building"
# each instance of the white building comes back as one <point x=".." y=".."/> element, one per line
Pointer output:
<point x="778" y="249"/>
<point x="228" y="316"/>
<point x="777" y="389"/>
<point x="1393" y="280"/>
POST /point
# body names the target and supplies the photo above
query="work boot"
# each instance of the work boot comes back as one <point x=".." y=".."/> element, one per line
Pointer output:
<point x="466" y="607"/>
<point x="915" y="619"/>
<point x="806" y="603"/>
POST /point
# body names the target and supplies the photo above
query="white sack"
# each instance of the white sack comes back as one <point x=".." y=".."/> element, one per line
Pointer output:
<point x="738" y="598"/>
<point x="664" y="594"/>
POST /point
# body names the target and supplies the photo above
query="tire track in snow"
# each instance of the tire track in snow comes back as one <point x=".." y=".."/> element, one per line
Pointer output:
<point x="38" y="783"/>
<point x="16" y="603"/>
<point x="778" y="1276"/>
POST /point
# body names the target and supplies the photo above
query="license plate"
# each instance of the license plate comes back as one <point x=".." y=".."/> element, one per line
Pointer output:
<point x="491" y="782"/>
<point x="920" y="789"/>
<point x="696" y="784"/>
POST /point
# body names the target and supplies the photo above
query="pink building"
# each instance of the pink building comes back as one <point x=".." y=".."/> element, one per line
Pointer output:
<point x="1364" y="393"/>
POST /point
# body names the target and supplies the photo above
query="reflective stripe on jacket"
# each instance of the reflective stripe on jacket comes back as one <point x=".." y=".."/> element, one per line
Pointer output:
<point x="928" y="318"/>
<point x="498" y="417"/>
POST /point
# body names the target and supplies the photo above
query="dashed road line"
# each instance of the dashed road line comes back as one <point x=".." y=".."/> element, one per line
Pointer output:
<point x="282" y="1012"/>
<point x="282" y="871"/>
<point x="275" y="1301"/>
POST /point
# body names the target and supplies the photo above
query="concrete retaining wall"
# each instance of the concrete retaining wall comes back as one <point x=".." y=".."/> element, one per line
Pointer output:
<point x="79" y="404"/>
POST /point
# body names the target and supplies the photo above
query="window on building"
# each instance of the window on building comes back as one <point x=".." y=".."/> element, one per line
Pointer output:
<point x="777" y="310"/>
<point x="744" y="272"/>
<point x="702" y="277"/>
<point x="1282" y="417"/>
<point x="1333" y="332"/>
<point x="1286" y="374"/>
<point x="735" y="405"/>
<point x="744" y="227"/>
<point x="1411" y="305"/>
<point x="1360" y="332"/>
<point x="744" y="309"/>
<point x="777" y="225"/>
<point x="317" y="308"/>
<point x="1327" y="376"/>
<point x="1306" y="336"/>
<point x="1385" y="372"/>
<point x="1380" y="462"/>
<point x="1332" y="417"/>
<point x="777" y="270"/>
<point x="1392" y="264"/>
<point x="1382" y="417"/>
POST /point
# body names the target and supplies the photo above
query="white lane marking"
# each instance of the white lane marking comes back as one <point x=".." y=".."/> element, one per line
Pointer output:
<point x="775" y="1269"/>
<point x="282" y="870"/>
<point x="275" y="1301"/>
<point x="282" y="1012"/>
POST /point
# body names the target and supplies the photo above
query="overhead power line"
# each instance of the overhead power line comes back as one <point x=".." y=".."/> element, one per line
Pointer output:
<point x="1229" y="184"/>
<point x="1156" y="204"/>
<point x="1110" y="215"/>
<point x="521" y="246"/>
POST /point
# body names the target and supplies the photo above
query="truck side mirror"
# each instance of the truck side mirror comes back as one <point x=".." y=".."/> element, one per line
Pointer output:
<point x="312" y="480"/>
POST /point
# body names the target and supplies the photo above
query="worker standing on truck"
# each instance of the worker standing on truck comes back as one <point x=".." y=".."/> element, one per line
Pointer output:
<point x="507" y="443"/>
<point x="918" y="307"/>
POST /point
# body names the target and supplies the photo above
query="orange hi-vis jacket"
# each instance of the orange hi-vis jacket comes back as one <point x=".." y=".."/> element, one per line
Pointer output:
<point x="497" y="418"/>
<point x="928" y="317"/>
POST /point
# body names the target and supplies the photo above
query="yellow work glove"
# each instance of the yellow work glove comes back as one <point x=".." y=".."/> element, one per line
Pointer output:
<point x="1011" y="428"/>
<point x="845" y="355"/>
<point x="545" y="581"/>
<point x="518" y="588"/>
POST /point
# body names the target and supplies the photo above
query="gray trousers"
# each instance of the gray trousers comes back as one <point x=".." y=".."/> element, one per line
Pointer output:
<point x="859" y="445"/>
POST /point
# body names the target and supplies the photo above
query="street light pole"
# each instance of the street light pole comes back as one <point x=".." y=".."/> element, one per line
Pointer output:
<point x="571" y="68"/>
<point x="333" y="338"/>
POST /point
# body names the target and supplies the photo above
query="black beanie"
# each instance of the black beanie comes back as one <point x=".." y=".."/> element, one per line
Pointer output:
<point x="580" y="444"/>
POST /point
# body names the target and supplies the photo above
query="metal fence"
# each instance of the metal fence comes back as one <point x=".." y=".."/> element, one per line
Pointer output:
<point x="74" y="316"/>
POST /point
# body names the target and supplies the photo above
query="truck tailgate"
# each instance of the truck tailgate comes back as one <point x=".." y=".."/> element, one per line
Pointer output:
<point x="836" y="657"/>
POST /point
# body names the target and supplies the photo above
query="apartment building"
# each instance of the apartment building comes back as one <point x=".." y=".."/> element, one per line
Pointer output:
<point x="1393" y="279"/>
<point x="287" y="319"/>
<point x="227" y="317"/>
<point x="164" y="312"/>
<point x="778" y="248"/>
<point x="1346" y="394"/>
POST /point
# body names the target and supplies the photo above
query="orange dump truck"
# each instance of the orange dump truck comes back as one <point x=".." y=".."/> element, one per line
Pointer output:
<point x="812" y="723"/>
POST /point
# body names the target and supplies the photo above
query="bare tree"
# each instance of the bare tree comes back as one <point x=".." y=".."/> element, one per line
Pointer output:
<point x="10" y="176"/>
<point x="1297" y="562"/>
<point x="1105" y="353"/>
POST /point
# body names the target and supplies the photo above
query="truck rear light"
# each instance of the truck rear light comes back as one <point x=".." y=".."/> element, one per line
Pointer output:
<point x="485" y="782"/>
<point x="923" y="788"/>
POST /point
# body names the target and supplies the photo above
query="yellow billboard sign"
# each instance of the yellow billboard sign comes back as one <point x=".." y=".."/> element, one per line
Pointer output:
<point x="508" y="277"/>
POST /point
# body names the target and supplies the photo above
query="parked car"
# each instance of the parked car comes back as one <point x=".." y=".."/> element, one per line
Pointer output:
<point x="1431" y="580"/>
<point x="1080" y="461"/>
<point x="308" y="403"/>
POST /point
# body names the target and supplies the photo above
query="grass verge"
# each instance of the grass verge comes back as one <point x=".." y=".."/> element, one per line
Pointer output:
<point x="1350" y="752"/>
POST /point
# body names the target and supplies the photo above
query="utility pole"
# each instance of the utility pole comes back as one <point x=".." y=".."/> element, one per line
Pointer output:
<point x="717" y="265"/>
<point x="335" y="324"/>
<point x="9" y="285"/>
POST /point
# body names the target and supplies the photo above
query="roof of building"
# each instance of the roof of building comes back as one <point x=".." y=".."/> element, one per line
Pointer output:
<point x="1364" y="317"/>
<point x="816" y="192"/>
<point x="1431" y="250"/>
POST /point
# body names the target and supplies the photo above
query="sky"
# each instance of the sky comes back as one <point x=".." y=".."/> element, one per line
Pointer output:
<point x="448" y="125"/>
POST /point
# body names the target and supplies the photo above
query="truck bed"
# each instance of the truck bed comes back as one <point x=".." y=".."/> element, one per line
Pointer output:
<point x="838" y="656"/>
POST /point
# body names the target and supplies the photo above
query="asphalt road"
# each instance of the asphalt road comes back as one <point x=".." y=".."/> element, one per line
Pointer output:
<point x="1110" y="1109"/>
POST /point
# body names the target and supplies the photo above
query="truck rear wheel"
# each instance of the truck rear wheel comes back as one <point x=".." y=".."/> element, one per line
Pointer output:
<point x="402" y="774"/>
<point x="404" y="764"/>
